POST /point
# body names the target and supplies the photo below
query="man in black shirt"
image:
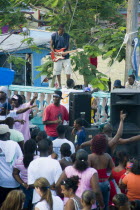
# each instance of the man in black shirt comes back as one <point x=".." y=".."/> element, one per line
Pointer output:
<point x="60" y="40"/>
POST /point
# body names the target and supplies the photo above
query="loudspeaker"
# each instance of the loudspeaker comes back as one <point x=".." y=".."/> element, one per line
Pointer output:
<point x="80" y="107"/>
<point x="129" y="101"/>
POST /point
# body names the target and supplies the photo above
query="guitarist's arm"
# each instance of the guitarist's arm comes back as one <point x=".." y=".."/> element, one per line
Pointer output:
<point x="51" y="45"/>
<point x="52" y="48"/>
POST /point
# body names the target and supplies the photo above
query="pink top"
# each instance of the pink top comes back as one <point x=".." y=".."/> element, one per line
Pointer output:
<point x="23" y="128"/>
<point x="20" y="166"/>
<point x="85" y="178"/>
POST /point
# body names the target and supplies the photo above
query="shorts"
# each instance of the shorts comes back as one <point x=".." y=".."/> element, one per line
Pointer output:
<point x="62" y="64"/>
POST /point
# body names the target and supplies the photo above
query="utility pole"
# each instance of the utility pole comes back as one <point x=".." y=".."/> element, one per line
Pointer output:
<point x="132" y="26"/>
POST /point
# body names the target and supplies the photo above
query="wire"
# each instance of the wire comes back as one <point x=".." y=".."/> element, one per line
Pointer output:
<point x="73" y="15"/>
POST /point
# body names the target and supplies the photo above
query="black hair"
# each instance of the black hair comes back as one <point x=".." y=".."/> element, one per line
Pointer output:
<point x="65" y="150"/>
<point x="122" y="156"/>
<point x="136" y="167"/>
<point x="34" y="133"/>
<point x="29" y="149"/>
<point x="43" y="146"/>
<point x="79" y="121"/>
<point x="73" y="157"/>
<point x="70" y="83"/>
<point x="81" y="163"/>
<point x="41" y="135"/>
<point x="9" y="121"/>
<point x="120" y="199"/>
<point x="20" y="99"/>
<point x="61" y="129"/>
<point x="132" y="76"/>
<point x="71" y="182"/>
<point x="88" y="197"/>
<point x="61" y="26"/>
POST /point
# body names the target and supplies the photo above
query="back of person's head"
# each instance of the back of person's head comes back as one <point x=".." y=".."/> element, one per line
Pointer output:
<point x="44" y="186"/>
<point x="9" y="121"/>
<point x="70" y="83"/>
<point x="79" y="121"/>
<point x="65" y="150"/>
<point x="61" y="130"/>
<point x="4" y="132"/>
<point x="41" y="135"/>
<point x="99" y="144"/>
<point x="132" y="76"/>
<point x="88" y="197"/>
<point x="29" y="149"/>
<point x="34" y="133"/>
<point x="136" y="167"/>
<point x="120" y="200"/>
<point x="43" y="146"/>
<point x="81" y="162"/>
<point x="117" y="84"/>
<point x="14" y="200"/>
<point x="107" y="129"/>
<point x="71" y="183"/>
<point x="122" y="156"/>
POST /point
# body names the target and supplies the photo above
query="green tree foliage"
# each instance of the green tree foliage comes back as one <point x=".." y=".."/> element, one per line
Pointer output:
<point x="93" y="25"/>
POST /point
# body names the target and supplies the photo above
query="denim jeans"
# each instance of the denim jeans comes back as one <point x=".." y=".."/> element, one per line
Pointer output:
<point x="52" y="138"/>
<point x="105" y="189"/>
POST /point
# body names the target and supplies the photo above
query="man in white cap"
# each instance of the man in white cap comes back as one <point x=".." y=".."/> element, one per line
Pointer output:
<point x="9" y="152"/>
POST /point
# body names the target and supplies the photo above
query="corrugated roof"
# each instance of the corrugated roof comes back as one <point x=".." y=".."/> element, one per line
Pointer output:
<point x="13" y="42"/>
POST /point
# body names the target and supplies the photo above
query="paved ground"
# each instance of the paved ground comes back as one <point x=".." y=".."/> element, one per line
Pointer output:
<point x="115" y="72"/>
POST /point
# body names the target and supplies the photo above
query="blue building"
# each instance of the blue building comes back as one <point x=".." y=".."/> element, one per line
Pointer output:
<point x="13" y="45"/>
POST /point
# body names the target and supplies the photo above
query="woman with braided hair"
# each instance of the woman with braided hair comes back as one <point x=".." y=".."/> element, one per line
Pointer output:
<point x="103" y="163"/>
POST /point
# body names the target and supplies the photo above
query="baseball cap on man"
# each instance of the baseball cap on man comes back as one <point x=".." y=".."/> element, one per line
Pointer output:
<point x="58" y="93"/>
<point x="4" y="129"/>
<point x="117" y="83"/>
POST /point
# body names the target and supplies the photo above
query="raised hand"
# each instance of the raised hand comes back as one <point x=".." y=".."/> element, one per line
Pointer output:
<point x="122" y="115"/>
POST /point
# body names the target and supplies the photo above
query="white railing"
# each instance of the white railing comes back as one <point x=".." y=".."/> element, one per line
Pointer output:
<point x="44" y="97"/>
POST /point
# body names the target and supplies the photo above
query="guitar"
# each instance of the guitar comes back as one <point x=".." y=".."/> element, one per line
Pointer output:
<point x="55" y="57"/>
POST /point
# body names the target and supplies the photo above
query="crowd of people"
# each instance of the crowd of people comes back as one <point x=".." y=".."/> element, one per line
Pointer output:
<point x="44" y="170"/>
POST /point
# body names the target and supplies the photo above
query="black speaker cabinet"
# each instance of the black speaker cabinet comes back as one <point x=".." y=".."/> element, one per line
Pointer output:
<point x="80" y="107"/>
<point x="129" y="101"/>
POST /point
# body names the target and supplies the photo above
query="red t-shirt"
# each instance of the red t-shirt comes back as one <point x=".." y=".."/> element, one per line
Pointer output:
<point x="51" y="113"/>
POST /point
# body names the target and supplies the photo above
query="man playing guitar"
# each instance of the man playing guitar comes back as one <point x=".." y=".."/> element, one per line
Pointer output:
<point x="60" y="40"/>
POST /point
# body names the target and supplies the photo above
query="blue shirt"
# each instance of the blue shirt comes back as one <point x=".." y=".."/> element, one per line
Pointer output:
<point x="80" y="136"/>
<point x="61" y="41"/>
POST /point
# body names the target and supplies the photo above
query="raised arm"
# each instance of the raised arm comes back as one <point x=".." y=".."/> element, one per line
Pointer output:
<point x="20" y="111"/>
<point x="86" y="144"/>
<point x="115" y="139"/>
<point x="129" y="140"/>
<point x="33" y="100"/>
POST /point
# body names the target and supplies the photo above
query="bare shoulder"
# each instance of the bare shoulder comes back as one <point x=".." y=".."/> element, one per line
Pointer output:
<point x="69" y="205"/>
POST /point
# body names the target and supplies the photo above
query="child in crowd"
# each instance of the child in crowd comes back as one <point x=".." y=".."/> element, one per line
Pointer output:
<point x="88" y="199"/>
<point x="79" y="132"/>
<point x="65" y="156"/>
<point x="121" y="202"/>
